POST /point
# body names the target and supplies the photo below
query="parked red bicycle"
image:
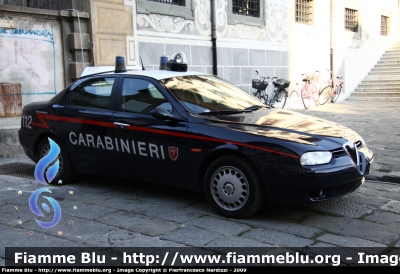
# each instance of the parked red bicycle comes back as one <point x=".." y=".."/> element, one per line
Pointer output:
<point x="309" y="91"/>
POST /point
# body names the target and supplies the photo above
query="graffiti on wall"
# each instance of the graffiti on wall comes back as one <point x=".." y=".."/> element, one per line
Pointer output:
<point x="28" y="58"/>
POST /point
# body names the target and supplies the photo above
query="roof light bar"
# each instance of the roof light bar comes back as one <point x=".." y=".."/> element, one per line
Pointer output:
<point x="177" y="62"/>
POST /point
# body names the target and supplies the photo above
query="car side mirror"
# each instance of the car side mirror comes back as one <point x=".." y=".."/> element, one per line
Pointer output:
<point x="162" y="114"/>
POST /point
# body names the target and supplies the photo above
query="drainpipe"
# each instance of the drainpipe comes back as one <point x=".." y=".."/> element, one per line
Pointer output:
<point x="331" y="36"/>
<point x="214" y="38"/>
<point x="62" y="42"/>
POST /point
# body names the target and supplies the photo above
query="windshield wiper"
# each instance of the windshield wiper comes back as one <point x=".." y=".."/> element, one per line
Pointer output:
<point x="253" y="108"/>
<point x="224" y="112"/>
<point x="233" y="111"/>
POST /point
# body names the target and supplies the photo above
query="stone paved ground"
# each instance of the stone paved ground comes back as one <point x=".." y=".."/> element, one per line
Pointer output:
<point x="105" y="212"/>
<point x="377" y="122"/>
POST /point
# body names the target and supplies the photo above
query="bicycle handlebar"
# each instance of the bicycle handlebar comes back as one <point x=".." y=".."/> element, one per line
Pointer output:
<point x="266" y="77"/>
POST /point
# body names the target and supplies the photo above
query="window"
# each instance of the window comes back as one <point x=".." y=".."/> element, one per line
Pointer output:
<point x="304" y="12"/>
<point x="181" y="8"/>
<point x="246" y="7"/>
<point x="384" y="25"/>
<point x="351" y="20"/>
<point x="93" y="93"/>
<point x="141" y="96"/>
<point x="246" y="12"/>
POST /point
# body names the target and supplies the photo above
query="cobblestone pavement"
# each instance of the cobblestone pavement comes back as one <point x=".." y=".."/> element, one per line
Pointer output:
<point x="105" y="212"/>
<point x="377" y="122"/>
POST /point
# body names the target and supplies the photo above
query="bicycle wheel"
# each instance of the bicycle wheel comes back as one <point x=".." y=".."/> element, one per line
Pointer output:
<point x="279" y="99"/>
<point x="336" y="94"/>
<point x="315" y="94"/>
<point x="294" y="100"/>
<point x="260" y="96"/>
<point x="305" y="97"/>
<point x="325" y="94"/>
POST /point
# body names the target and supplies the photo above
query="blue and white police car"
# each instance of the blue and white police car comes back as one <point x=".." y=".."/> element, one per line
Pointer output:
<point x="199" y="132"/>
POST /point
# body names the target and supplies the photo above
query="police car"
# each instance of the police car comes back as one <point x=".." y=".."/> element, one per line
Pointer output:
<point x="195" y="131"/>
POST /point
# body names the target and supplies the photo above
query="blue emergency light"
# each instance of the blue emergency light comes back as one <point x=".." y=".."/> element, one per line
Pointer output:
<point x="120" y="64"/>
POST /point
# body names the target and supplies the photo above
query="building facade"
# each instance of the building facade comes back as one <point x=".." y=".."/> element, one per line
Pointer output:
<point x="234" y="38"/>
<point x="47" y="43"/>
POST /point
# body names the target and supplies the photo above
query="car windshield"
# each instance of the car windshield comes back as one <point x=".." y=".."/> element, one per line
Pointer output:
<point x="206" y="94"/>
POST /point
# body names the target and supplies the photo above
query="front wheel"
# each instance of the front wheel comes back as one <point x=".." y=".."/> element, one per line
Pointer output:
<point x="337" y="93"/>
<point x="294" y="100"/>
<point x="279" y="99"/>
<point x="233" y="188"/>
<point x="325" y="94"/>
<point x="65" y="172"/>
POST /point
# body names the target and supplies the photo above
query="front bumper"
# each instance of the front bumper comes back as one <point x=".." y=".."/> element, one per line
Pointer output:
<point x="319" y="183"/>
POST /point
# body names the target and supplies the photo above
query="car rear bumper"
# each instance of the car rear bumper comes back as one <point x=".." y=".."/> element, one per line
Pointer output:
<point x="27" y="141"/>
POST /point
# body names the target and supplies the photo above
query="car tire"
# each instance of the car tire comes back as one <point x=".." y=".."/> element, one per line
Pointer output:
<point x="66" y="171"/>
<point x="233" y="188"/>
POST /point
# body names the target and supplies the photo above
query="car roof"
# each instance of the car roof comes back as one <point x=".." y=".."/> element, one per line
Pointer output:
<point x="156" y="74"/>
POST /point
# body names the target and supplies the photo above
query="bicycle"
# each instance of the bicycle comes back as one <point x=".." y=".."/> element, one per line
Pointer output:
<point x="332" y="90"/>
<point x="309" y="90"/>
<point x="279" y="94"/>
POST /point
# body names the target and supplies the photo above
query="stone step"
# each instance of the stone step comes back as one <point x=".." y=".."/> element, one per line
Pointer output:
<point x="391" y="65"/>
<point x="377" y="89"/>
<point x="384" y="70"/>
<point x="391" y="99"/>
<point x="388" y="62"/>
<point x="383" y="77"/>
<point x="393" y="50"/>
<point x="377" y="83"/>
<point x="375" y="94"/>
<point x="390" y="56"/>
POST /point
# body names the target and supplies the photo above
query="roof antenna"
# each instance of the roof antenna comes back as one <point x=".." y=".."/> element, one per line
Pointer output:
<point x="142" y="63"/>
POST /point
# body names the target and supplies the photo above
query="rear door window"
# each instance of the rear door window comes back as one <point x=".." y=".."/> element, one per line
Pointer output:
<point x="94" y="93"/>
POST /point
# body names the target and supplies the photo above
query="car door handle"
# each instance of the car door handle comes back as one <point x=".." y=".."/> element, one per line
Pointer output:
<point x="121" y="124"/>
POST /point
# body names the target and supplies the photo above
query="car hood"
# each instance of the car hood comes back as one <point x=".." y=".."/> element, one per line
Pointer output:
<point x="289" y="126"/>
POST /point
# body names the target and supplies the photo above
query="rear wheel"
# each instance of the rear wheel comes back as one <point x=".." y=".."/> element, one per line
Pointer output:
<point x="294" y="99"/>
<point x="262" y="99"/>
<point x="305" y="96"/>
<point x="337" y="93"/>
<point x="279" y="99"/>
<point x="325" y="95"/>
<point x="259" y="96"/>
<point x="233" y="188"/>
<point x="65" y="173"/>
<point x="315" y="94"/>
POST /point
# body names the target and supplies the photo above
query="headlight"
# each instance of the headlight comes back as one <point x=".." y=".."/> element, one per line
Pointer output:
<point x="315" y="158"/>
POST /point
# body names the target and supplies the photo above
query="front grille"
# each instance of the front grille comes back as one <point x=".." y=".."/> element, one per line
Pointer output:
<point x="353" y="153"/>
<point x="339" y="152"/>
